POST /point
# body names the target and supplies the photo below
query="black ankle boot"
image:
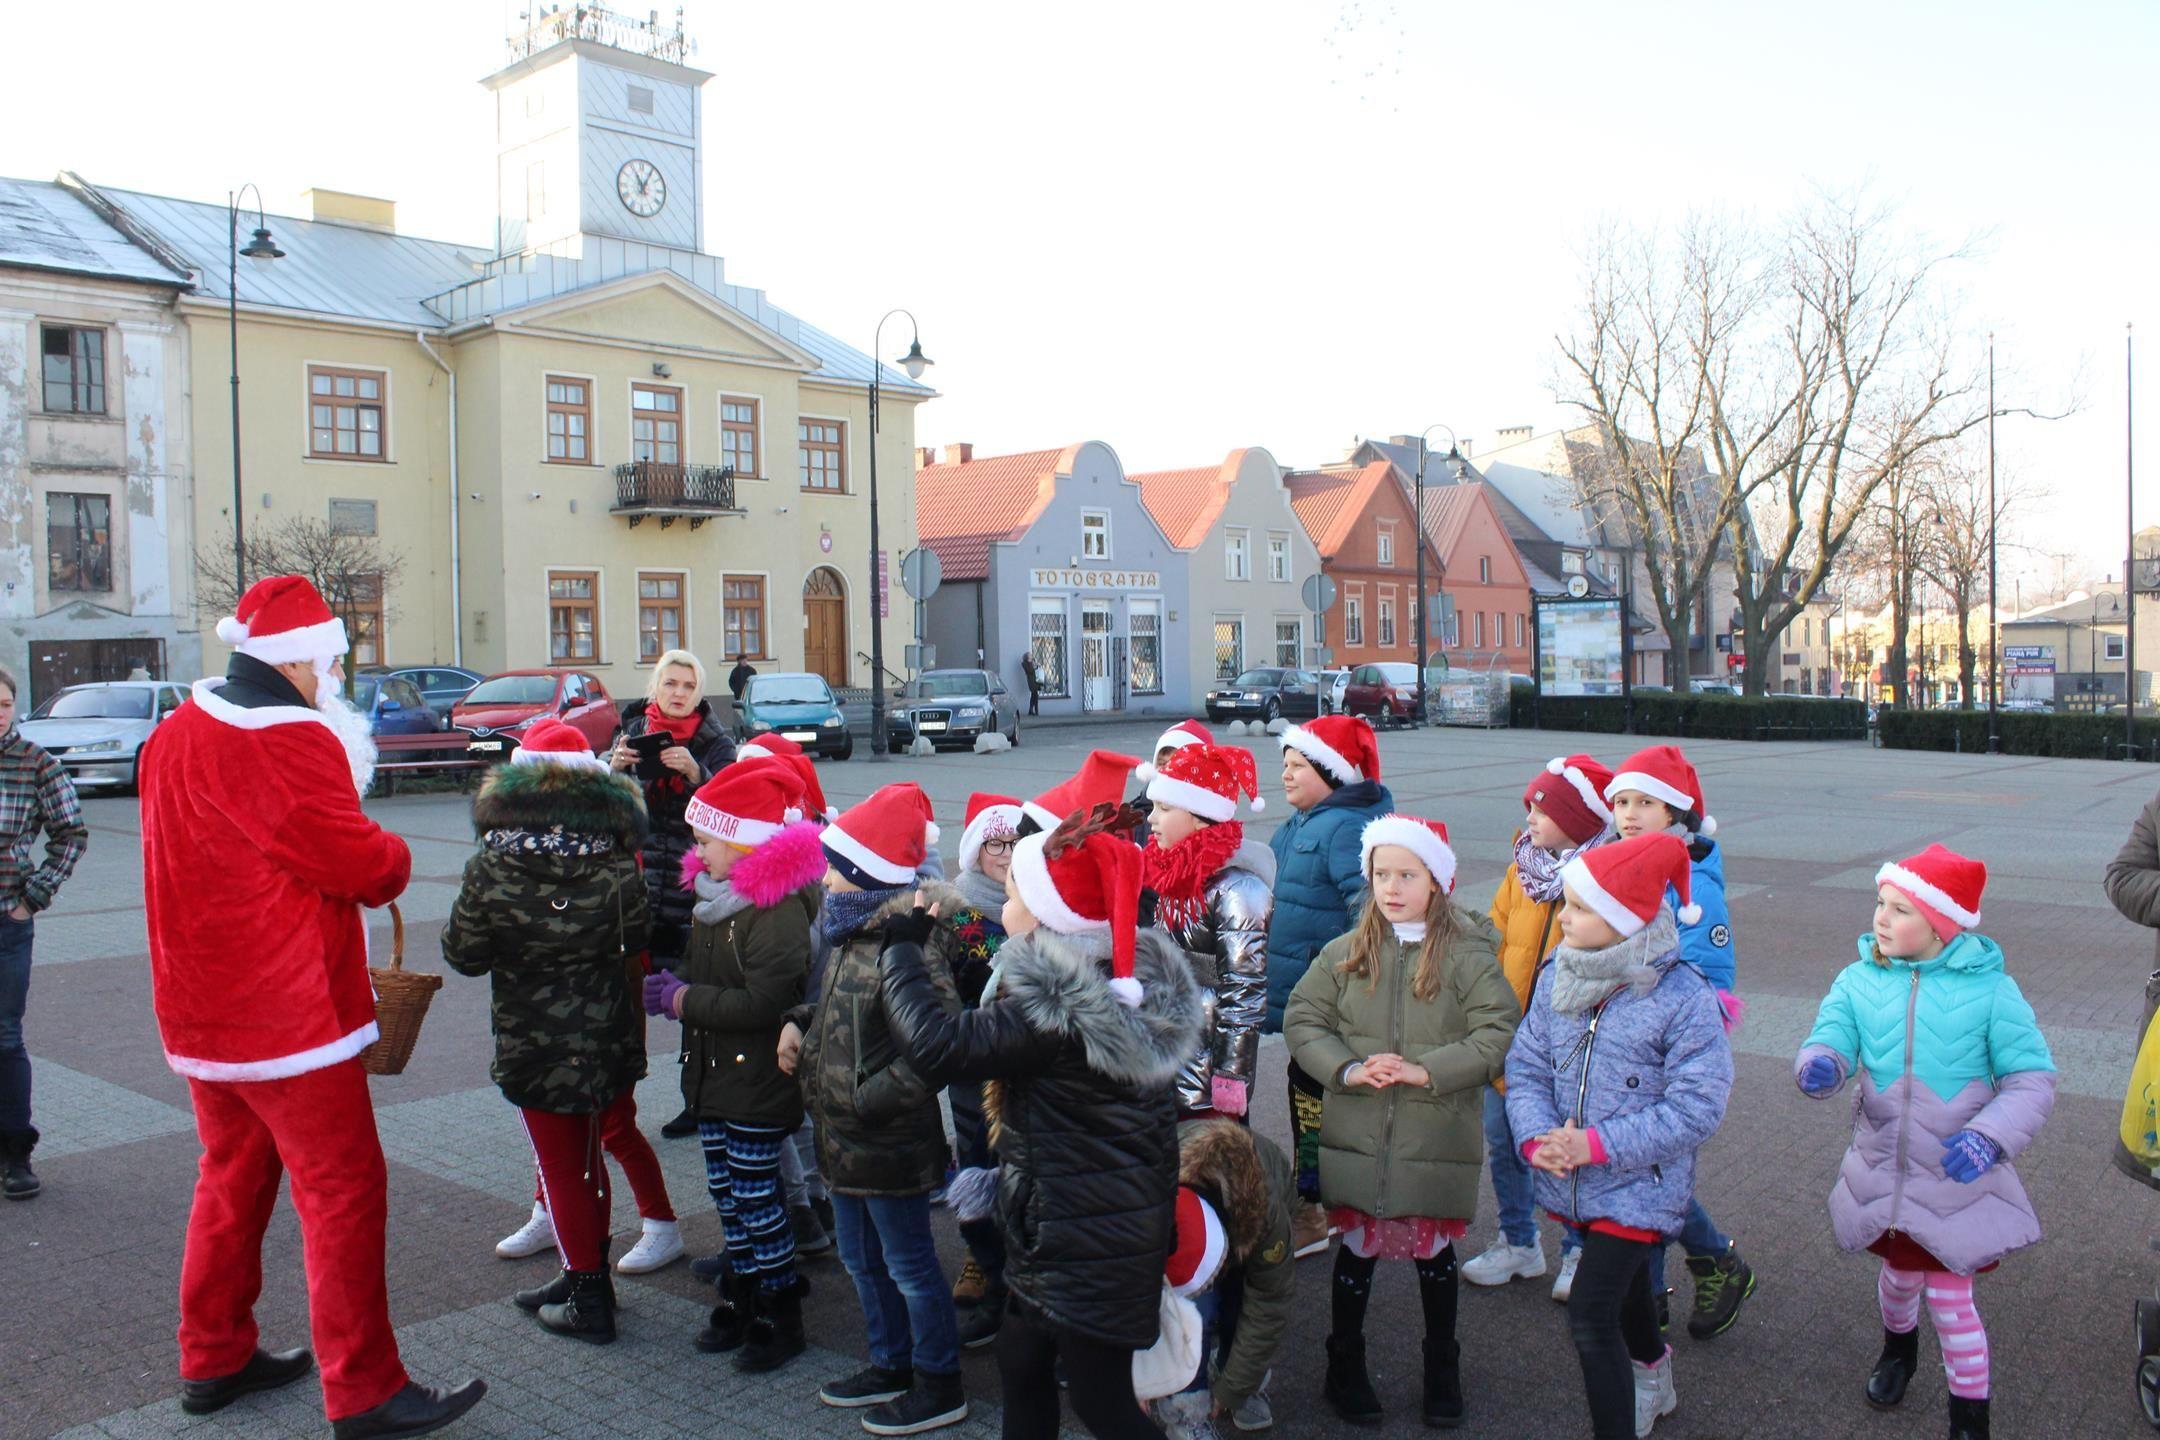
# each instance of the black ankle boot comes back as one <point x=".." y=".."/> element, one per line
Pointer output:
<point x="1893" y="1368"/>
<point x="1443" y="1382"/>
<point x="1348" y="1388"/>
<point x="554" y="1292"/>
<point x="17" y="1180"/>
<point x="589" y="1312"/>
<point x="729" y="1324"/>
<point x="776" y="1336"/>
<point x="1968" y="1419"/>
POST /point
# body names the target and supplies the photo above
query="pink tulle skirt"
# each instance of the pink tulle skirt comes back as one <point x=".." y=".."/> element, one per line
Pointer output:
<point x="1412" y="1237"/>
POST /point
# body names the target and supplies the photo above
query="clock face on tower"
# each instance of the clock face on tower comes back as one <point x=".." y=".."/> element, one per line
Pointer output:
<point x="641" y="188"/>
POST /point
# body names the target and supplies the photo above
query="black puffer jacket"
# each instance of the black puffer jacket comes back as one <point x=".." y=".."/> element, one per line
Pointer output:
<point x="667" y="838"/>
<point x="1081" y="1099"/>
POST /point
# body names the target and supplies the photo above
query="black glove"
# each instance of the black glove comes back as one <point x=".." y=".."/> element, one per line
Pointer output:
<point x="912" y="928"/>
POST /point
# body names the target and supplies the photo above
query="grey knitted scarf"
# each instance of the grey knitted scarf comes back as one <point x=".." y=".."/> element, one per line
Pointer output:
<point x="1583" y="978"/>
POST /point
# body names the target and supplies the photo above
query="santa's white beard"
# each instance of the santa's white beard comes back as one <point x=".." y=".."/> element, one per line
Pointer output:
<point x="351" y="729"/>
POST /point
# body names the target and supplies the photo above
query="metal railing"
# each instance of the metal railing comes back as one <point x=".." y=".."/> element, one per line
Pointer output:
<point x="653" y="485"/>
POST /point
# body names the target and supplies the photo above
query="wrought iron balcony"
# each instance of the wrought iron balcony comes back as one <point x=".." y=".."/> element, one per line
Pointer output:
<point x="672" y="492"/>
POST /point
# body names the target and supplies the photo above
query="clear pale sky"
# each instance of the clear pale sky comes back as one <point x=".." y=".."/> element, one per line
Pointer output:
<point x="1181" y="227"/>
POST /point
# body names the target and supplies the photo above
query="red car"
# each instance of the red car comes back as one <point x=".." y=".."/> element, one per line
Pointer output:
<point x="496" y="711"/>
<point x="1385" y="693"/>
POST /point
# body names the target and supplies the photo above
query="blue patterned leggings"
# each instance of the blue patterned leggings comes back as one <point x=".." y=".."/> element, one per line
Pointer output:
<point x="742" y="1170"/>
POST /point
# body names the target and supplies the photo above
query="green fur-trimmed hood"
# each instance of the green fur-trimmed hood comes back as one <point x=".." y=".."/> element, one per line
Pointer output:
<point x="515" y="797"/>
<point x="1062" y="985"/>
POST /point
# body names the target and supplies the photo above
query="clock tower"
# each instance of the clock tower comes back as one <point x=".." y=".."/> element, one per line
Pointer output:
<point x="599" y="130"/>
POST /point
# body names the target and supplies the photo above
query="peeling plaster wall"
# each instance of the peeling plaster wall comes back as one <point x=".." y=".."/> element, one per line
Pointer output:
<point x="16" y="588"/>
<point x="142" y="389"/>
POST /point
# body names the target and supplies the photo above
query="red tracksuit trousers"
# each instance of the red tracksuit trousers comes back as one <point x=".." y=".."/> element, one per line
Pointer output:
<point x="320" y="1129"/>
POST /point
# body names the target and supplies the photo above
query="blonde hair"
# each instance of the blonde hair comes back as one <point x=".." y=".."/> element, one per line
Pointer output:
<point x="1374" y="932"/>
<point x="667" y="661"/>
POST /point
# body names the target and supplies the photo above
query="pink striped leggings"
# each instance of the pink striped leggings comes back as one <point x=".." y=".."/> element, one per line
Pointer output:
<point x="1957" y="1322"/>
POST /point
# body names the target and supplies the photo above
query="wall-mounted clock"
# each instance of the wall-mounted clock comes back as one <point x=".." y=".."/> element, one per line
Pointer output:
<point x="640" y="187"/>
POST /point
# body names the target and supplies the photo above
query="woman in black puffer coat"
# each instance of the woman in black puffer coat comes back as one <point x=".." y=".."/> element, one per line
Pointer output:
<point x="1077" y="1043"/>
<point x="675" y="701"/>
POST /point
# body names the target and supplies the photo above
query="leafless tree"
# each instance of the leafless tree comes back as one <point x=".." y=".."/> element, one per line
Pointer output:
<point x="355" y="574"/>
<point x="1954" y="553"/>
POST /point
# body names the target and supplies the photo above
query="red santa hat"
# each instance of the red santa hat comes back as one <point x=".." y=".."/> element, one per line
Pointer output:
<point x="1202" y="1245"/>
<point x="747" y="803"/>
<point x="1570" y="791"/>
<point x="775" y="746"/>
<point x="887" y="836"/>
<point x="1944" y="884"/>
<point x="1342" y="745"/>
<point x="1177" y="737"/>
<point x="1625" y="882"/>
<point x="282" y="620"/>
<point x="1663" y="773"/>
<point x="550" y="742"/>
<point x="1426" y="839"/>
<point x="1207" y="780"/>
<point x="1101" y="780"/>
<point x="988" y="818"/>
<point x="1086" y="887"/>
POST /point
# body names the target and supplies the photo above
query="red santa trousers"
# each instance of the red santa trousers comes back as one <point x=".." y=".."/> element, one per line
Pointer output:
<point x="319" y="1127"/>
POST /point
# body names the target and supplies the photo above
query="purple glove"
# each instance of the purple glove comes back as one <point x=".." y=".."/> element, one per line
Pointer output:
<point x="1819" y="1076"/>
<point x="1968" y="1155"/>
<point x="661" y="988"/>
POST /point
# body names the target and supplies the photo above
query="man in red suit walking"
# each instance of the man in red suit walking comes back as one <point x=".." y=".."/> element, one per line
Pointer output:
<point x="257" y="860"/>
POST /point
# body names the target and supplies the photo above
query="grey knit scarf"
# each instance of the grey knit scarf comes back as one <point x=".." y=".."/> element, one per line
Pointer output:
<point x="982" y="892"/>
<point x="716" y="900"/>
<point x="1583" y="978"/>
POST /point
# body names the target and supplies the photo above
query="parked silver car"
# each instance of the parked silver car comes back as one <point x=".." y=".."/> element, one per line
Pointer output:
<point x="951" y="707"/>
<point x="95" y="731"/>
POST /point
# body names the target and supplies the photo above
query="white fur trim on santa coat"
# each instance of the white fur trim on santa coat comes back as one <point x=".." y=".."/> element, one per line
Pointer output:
<point x="1326" y="756"/>
<point x="571" y="759"/>
<point x="876" y="866"/>
<point x="1583" y="787"/>
<point x="1031" y="875"/>
<point x="1928" y="895"/>
<point x="1419" y="840"/>
<point x="322" y="1057"/>
<point x="325" y="641"/>
<point x="204" y="693"/>
<point x="1197" y="798"/>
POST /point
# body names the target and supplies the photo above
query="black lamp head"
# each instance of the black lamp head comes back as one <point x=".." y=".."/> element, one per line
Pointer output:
<point x="915" y="362"/>
<point x="262" y="247"/>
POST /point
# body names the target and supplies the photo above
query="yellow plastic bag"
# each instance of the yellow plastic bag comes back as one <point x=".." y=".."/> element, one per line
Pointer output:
<point x="2137" y="1139"/>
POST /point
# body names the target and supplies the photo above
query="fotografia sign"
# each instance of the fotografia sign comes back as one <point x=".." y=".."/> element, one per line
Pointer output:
<point x="1579" y="647"/>
<point x="1066" y="578"/>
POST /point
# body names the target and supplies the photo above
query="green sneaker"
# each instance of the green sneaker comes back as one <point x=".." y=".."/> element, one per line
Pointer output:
<point x="1722" y="1285"/>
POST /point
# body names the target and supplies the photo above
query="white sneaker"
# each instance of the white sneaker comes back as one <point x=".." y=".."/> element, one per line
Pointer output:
<point x="1563" y="1284"/>
<point x="537" y="1234"/>
<point x="1503" y="1262"/>
<point x="1255" y="1413"/>
<point x="1655" y="1396"/>
<point x="661" y="1244"/>
<point x="1185" y="1416"/>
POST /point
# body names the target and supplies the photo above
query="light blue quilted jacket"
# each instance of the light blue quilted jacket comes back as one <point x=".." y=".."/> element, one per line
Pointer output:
<point x="1945" y="1045"/>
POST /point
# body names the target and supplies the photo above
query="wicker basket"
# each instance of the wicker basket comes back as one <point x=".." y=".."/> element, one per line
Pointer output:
<point x="401" y="1003"/>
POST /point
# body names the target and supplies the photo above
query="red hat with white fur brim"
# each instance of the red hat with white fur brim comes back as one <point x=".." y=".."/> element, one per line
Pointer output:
<point x="1342" y="745"/>
<point x="1570" y="791"/>
<point x="1626" y="882"/>
<point x="1089" y="888"/>
<point x="887" y="836"/>
<point x="1663" y="773"/>
<point x="1207" y="780"/>
<point x="747" y="803"/>
<point x="1940" y="880"/>
<point x="551" y="742"/>
<point x="1202" y="1245"/>
<point x="989" y="817"/>
<point x="775" y="746"/>
<point x="1177" y="737"/>
<point x="1101" y="780"/>
<point x="283" y="620"/>
<point x="1426" y="839"/>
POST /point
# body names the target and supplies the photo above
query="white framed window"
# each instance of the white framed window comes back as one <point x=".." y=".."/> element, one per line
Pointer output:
<point x="2111" y="647"/>
<point x="1484" y="569"/>
<point x="1353" y="622"/>
<point x="1143" y="620"/>
<point x="1477" y="622"/>
<point x="1229" y="646"/>
<point x="1095" y="535"/>
<point x="1385" y="542"/>
<point x="1046" y="642"/>
<point x="1518" y="629"/>
<point x="1237" y="555"/>
<point x="1571" y="562"/>
<point x="1278" y="556"/>
<point x="1289" y="643"/>
<point x="1387" y="620"/>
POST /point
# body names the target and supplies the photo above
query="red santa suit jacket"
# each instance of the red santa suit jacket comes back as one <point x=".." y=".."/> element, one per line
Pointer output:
<point x="257" y="860"/>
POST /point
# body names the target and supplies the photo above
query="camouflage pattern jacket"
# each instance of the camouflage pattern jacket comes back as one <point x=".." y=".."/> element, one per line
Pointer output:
<point x="878" y="1127"/>
<point x="554" y="910"/>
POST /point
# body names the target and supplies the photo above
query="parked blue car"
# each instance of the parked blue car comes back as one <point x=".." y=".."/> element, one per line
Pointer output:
<point x="394" y="706"/>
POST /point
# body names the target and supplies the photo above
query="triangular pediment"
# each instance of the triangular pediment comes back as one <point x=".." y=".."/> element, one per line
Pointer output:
<point x="661" y="310"/>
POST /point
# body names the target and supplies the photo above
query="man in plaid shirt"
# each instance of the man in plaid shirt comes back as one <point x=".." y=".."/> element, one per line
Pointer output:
<point x="35" y="794"/>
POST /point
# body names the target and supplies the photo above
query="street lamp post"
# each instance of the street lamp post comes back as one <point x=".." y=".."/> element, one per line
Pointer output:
<point x="1454" y="458"/>
<point x="260" y="248"/>
<point x="1994" y="611"/>
<point x="914" y="362"/>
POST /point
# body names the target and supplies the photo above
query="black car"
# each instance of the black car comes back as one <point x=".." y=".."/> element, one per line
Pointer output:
<point x="1266" y="694"/>
<point x="951" y="707"/>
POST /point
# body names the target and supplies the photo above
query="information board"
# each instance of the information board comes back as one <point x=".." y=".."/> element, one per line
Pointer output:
<point x="1579" y="646"/>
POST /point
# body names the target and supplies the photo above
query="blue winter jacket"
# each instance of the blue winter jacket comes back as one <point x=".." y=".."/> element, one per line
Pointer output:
<point x="1652" y="1079"/>
<point x="1708" y="943"/>
<point x="1319" y="883"/>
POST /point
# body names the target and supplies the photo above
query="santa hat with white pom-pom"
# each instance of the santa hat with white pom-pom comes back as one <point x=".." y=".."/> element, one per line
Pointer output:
<point x="1089" y="886"/>
<point x="1207" y="780"/>
<point x="1627" y="881"/>
<point x="1570" y="791"/>
<point x="1663" y="773"/>
<point x="283" y="620"/>
<point x="886" y="837"/>
<point x="1177" y="737"/>
<point x="551" y="742"/>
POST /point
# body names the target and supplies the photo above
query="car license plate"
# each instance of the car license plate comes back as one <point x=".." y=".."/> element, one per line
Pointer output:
<point x="800" y="737"/>
<point x="485" y="747"/>
<point x="931" y="725"/>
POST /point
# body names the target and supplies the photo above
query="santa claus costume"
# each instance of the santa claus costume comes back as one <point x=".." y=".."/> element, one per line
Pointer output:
<point x="257" y="861"/>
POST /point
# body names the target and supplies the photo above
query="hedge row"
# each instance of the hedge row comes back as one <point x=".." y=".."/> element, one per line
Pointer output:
<point x="1715" y="717"/>
<point x="2020" y="732"/>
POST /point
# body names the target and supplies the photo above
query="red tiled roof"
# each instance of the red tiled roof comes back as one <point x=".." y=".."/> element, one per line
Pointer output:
<point x="1447" y="512"/>
<point x="1186" y="503"/>
<point x="1329" y="502"/>
<point x="962" y="509"/>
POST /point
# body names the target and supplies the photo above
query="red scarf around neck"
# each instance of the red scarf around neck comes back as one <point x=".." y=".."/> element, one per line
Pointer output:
<point x="1179" y="876"/>
<point x="679" y="728"/>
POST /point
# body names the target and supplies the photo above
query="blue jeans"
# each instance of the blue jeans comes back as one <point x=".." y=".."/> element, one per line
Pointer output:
<point x="1219" y="1305"/>
<point x="1699" y="1235"/>
<point x="890" y="1254"/>
<point x="14" y="997"/>
<point x="1514" y="1187"/>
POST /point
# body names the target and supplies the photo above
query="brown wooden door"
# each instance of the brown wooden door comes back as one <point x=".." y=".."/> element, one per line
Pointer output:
<point x="57" y="664"/>
<point x="825" y="638"/>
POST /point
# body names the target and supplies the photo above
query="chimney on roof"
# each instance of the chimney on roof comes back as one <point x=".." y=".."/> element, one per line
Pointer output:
<point x="1513" y="434"/>
<point x="959" y="454"/>
<point x="361" y="212"/>
<point x="1407" y="441"/>
<point x="925" y="456"/>
<point x="1467" y="446"/>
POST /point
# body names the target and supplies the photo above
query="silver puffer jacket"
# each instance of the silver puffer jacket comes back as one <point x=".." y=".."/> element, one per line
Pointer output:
<point x="1227" y="948"/>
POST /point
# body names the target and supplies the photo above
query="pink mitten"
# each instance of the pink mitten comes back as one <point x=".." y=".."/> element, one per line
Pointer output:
<point x="1228" y="1095"/>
